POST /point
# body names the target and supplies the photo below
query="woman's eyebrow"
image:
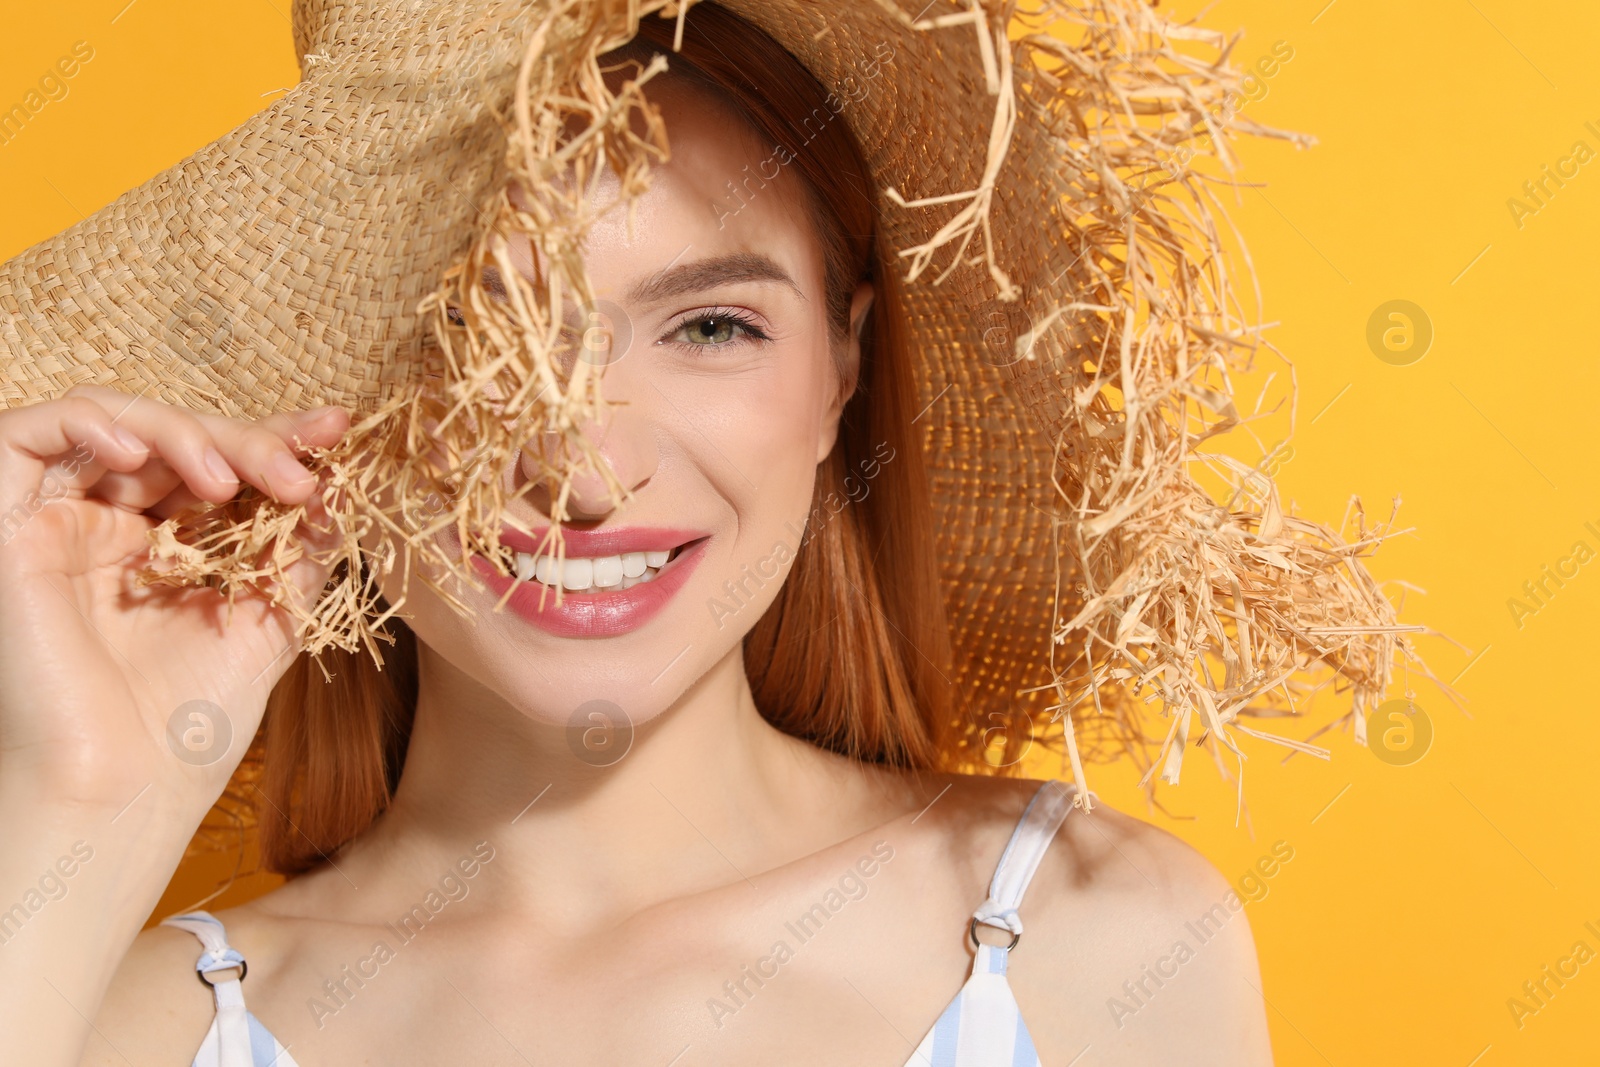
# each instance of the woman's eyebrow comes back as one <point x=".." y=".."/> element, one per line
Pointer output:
<point x="701" y="274"/>
<point x="691" y="277"/>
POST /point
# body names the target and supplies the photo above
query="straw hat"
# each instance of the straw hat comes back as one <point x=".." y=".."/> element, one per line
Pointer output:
<point x="1048" y="190"/>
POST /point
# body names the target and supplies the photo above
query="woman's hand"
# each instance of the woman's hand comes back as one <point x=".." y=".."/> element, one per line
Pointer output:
<point x="108" y="689"/>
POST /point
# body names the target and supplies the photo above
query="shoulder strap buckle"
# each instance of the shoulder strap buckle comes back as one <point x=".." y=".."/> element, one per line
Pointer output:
<point x="1045" y="812"/>
<point x="217" y="962"/>
<point x="972" y="931"/>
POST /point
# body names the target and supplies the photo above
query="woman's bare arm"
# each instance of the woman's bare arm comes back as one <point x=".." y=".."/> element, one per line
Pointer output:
<point x="96" y="800"/>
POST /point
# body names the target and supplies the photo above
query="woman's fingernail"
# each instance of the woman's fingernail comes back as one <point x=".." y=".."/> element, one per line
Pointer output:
<point x="219" y="467"/>
<point x="289" y="473"/>
<point x="127" y="439"/>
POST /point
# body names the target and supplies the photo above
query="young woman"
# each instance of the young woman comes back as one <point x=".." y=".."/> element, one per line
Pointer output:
<point x="642" y="826"/>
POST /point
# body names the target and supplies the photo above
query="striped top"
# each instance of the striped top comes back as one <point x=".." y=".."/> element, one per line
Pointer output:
<point x="981" y="1027"/>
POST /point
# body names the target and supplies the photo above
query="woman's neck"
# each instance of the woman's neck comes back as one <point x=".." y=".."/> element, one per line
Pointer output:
<point x="591" y="823"/>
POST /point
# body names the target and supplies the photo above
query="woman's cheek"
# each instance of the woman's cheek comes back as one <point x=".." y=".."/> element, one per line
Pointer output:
<point x="776" y="426"/>
<point x="768" y="430"/>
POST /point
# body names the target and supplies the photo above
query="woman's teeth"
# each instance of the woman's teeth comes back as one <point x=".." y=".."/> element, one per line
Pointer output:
<point x="595" y="574"/>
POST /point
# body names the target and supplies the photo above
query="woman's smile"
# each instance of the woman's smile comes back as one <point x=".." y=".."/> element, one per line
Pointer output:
<point x="611" y="581"/>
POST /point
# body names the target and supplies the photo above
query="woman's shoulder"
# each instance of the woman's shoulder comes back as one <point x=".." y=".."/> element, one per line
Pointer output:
<point x="1133" y="943"/>
<point x="156" y="1003"/>
<point x="1098" y="857"/>
<point x="1098" y="850"/>
<point x="154" y="1006"/>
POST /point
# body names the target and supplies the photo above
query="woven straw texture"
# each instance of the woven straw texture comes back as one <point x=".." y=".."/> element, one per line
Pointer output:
<point x="1047" y="175"/>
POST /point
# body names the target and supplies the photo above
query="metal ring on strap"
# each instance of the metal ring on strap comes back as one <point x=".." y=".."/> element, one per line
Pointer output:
<point x="244" y="969"/>
<point x="972" y="931"/>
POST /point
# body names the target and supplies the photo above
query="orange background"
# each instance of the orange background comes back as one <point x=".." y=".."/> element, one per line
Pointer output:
<point x="1420" y="897"/>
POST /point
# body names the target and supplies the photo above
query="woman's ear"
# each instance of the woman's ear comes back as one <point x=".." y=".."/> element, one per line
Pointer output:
<point x="848" y="364"/>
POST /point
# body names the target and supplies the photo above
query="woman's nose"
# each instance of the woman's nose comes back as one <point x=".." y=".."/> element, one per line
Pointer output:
<point x="623" y="442"/>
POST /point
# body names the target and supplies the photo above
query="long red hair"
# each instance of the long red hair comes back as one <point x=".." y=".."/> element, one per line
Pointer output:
<point x="854" y="654"/>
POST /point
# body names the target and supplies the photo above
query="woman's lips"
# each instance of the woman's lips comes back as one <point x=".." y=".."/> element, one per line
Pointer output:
<point x="612" y="542"/>
<point x="605" y="614"/>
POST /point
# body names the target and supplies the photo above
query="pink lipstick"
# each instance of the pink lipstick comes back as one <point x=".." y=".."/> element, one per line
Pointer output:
<point x="596" y="556"/>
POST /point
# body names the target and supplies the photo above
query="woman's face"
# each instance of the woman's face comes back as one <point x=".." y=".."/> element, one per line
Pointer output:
<point x="727" y="393"/>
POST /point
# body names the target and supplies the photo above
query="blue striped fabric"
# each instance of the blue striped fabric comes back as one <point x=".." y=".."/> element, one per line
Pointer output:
<point x="983" y="1026"/>
<point x="264" y="1048"/>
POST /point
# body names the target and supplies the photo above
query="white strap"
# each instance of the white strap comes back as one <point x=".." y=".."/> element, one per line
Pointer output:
<point x="1036" y="828"/>
<point x="233" y="1022"/>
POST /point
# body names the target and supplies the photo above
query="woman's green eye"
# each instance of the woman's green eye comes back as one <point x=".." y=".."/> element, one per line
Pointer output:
<point x="714" y="328"/>
<point x="710" y="331"/>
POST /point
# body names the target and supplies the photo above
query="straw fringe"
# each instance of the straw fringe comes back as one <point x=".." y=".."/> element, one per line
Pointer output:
<point x="508" y="378"/>
<point x="1174" y="585"/>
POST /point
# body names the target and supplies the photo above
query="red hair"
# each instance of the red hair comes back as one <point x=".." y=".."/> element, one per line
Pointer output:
<point x="853" y="655"/>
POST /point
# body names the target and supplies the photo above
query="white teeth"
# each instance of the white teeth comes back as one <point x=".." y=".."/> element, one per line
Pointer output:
<point x="577" y="574"/>
<point x="608" y="571"/>
<point x="592" y="574"/>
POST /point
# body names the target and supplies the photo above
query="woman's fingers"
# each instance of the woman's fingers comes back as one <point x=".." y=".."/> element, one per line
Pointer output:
<point x="139" y="490"/>
<point x="171" y="434"/>
<point x="299" y="429"/>
<point x="65" y="444"/>
<point x="169" y="505"/>
<point x="264" y="453"/>
<point x="208" y="456"/>
<point x="157" y="490"/>
<point x="153" y="459"/>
